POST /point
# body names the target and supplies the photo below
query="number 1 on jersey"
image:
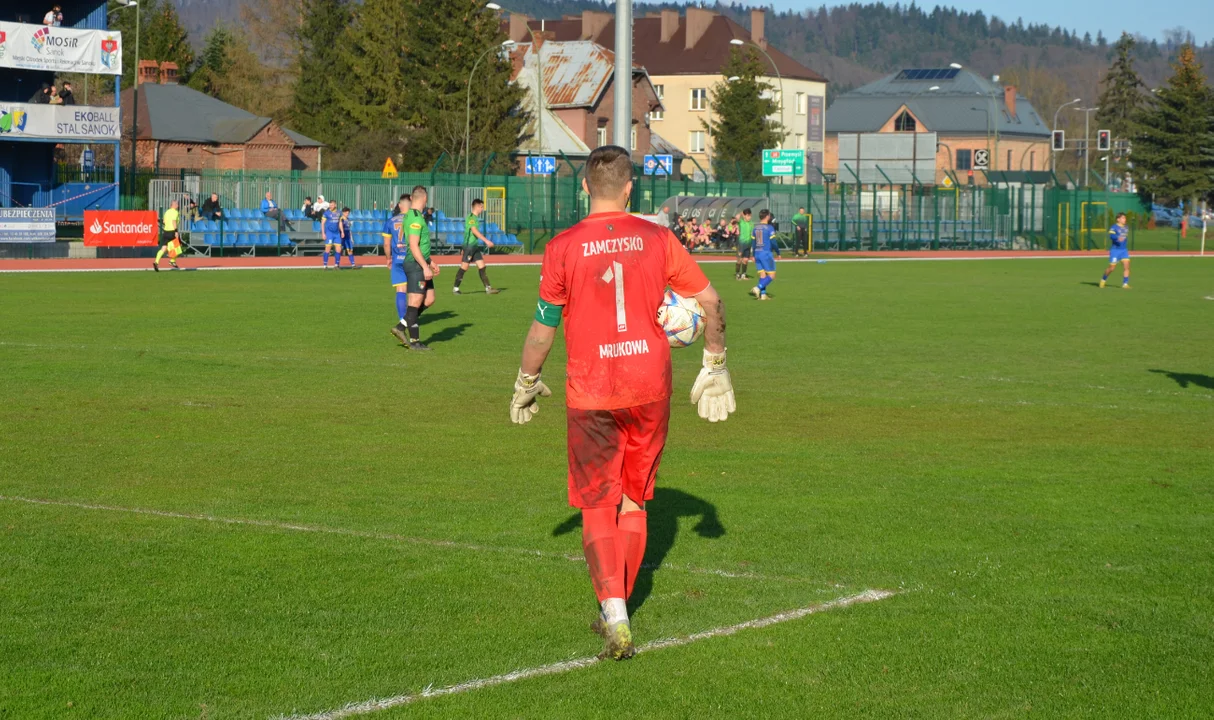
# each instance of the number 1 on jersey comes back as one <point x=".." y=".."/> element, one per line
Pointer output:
<point x="616" y="273"/>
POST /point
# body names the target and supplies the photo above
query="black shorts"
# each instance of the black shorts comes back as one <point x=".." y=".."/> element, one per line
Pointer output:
<point x="472" y="253"/>
<point x="415" y="277"/>
<point x="744" y="251"/>
<point x="167" y="236"/>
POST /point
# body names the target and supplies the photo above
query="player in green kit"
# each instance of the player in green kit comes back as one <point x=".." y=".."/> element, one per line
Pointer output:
<point x="419" y="269"/>
<point x="746" y="230"/>
<point x="473" y="237"/>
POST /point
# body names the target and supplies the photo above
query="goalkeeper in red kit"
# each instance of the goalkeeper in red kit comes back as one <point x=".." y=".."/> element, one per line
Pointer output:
<point x="605" y="277"/>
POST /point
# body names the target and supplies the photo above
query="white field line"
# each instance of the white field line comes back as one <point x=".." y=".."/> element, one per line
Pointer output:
<point x="704" y="261"/>
<point x="370" y="706"/>
<point x="390" y="537"/>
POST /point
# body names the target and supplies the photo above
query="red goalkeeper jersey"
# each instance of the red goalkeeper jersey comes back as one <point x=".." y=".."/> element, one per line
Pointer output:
<point x="609" y="272"/>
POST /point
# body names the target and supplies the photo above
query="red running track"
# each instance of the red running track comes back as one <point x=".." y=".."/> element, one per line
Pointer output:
<point x="372" y="261"/>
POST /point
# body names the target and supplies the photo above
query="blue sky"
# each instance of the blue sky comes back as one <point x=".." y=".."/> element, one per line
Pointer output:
<point x="1109" y="16"/>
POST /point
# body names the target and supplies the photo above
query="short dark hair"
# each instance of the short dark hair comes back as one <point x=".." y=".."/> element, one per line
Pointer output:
<point x="608" y="170"/>
<point x="405" y="196"/>
<point x="1120" y="215"/>
<point x="764" y="214"/>
<point x="418" y="191"/>
<point x="345" y="209"/>
<point x="746" y="211"/>
<point x="307" y="197"/>
<point x="477" y="201"/>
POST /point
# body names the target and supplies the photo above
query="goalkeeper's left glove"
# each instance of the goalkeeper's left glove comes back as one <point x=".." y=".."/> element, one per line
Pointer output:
<point x="527" y="389"/>
<point x="712" y="393"/>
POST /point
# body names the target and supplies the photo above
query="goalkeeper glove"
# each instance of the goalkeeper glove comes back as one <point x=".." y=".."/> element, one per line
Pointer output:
<point x="712" y="393"/>
<point x="527" y="388"/>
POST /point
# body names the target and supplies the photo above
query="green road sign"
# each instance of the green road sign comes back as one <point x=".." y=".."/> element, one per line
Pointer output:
<point x="777" y="163"/>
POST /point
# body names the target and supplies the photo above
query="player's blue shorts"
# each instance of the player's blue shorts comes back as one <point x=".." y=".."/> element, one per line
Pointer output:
<point x="332" y="239"/>
<point x="1118" y="254"/>
<point x="765" y="261"/>
<point x="348" y="244"/>
<point x="397" y="271"/>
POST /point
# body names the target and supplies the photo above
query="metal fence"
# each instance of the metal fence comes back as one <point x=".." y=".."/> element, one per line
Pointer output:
<point x="845" y="216"/>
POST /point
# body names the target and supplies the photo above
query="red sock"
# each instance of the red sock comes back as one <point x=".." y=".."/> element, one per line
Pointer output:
<point x="631" y="533"/>
<point x="599" y="543"/>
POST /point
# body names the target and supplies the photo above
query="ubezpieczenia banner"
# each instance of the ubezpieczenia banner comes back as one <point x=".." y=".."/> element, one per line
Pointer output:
<point x="27" y="224"/>
<point x="60" y="49"/>
<point x="58" y="122"/>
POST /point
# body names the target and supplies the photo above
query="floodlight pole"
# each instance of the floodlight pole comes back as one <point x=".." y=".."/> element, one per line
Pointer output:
<point x="1087" y="115"/>
<point x="623" y="74"/>
<point x="1053" y="152"/>
<point x="468" y="102"/>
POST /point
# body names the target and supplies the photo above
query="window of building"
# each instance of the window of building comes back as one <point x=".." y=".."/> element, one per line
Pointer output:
<point x="658" y="114"/>
<point x="602" y="136"/>
<point x="1009" y="161"/>
<point x="965" y="159"/>
<point x="696" y="141"/>
<point x="905" y="123"/>
<point x="777" y="98"/>
<point x="800" y="140"/>
<point x="699" y="99"/>
<point x="634" y="139"/>
<point x="1032" y="160"/>
<point x="802" y="104"/>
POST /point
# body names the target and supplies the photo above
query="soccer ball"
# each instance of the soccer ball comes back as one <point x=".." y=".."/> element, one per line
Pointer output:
<point x="681" y="318"/>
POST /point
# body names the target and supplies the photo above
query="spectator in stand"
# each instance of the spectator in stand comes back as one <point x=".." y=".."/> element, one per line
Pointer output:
<point x="211" y="209"/>
<point x="54" y="18"/>
<point x="43" y="96"/>
<point x="270" y="209"/>
<point x="191" y="210"/>
<point x="309" y="210"/>
<point x="680" y="230"/>
<point x="428" y="215"/>
<point x="54" y="98"/>
<point x="320" y="206"/>
<point x="66" y="94"/>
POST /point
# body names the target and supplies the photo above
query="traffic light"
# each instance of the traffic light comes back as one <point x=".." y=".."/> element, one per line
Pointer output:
<point x="1104" y="140"/>
<point x="1059" y="140"/>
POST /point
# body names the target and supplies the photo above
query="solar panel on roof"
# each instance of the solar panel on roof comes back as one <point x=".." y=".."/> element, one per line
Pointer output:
<point x="928" y="74"/>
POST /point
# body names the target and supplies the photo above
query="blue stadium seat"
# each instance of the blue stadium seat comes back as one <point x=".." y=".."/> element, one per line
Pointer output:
<point x="210" y="239"/>
<point x="492" y="227"/>
<point x="440" y="215"/>
<point x="315" y="226"/>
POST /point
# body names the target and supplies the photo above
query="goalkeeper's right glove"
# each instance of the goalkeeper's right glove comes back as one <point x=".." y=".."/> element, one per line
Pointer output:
<point x="712" y="393"/>
<point x="527" y="389"/>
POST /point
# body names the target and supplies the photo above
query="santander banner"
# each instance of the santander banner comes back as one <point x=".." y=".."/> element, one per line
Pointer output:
<point x="121" y="228"/>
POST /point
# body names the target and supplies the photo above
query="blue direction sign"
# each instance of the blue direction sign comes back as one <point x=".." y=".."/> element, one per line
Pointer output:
<point x="659" y="165"/>
<point x="541" y="165"/>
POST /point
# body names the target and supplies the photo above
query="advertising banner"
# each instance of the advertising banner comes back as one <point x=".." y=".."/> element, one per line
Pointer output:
<point x="817" y="120"/>
<point x="27" y="224"/>
<point x="121" y="228"/>
<point x="58" y="122"/>
<point x="60" y="49"/>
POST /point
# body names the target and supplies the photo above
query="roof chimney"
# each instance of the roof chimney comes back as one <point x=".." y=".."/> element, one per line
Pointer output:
<point x="698" y="21"/>
<point x="518" y="27"/>
<point x="758" y="24"/>
<point x="670" y="24"/>
<point x="1009" y="99"/>
<point x="168" y="73"/>
<point x="147" y="72"/>
<point x="594" y="23"/>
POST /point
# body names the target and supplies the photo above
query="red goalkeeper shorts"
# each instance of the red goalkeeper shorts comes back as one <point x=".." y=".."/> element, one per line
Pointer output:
<point x="615" y="452"/>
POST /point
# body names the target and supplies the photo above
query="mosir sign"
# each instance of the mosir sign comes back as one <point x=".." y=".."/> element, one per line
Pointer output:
<point x="60" y="49"/>
<point x="120" y="228"/>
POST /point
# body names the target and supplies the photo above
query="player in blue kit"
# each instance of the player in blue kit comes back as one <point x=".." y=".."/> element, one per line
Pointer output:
<point x="331" y="227"/>
<point x="396" y="247"/>
<point x="347" y="238"/>
<point x="766" y="250"/>
<point x="1118" y="252"/>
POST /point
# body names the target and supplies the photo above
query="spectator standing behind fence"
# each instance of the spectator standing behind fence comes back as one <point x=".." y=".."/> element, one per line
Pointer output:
<point x="66" y="94"/>
<point x="54" y="18"/>
<point x="211" y="209"/>
<point x="270" y="209"/>
<point x="800" y="233"/>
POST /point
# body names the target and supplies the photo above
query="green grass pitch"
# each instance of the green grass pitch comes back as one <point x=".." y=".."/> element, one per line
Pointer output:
<point x="1027" y="460"/>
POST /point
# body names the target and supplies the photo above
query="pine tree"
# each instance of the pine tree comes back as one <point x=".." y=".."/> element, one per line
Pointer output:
<point x="742" y="126"/>
<point x="377" y="96"/>
<point x="1122" y="99"/>
<point x="315" y="107"/>
<point x="161" y="38"/>
<point x="1172" y="159"/>
<point x="446" y="39"/>
<point x="214" y="62"/>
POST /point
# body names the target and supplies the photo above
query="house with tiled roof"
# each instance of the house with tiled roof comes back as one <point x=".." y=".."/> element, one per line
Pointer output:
<point x="682" y="56"/>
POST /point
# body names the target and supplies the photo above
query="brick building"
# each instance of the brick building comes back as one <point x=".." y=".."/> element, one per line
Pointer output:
<point x="968" y="113"/>
<point x="183" y="128"/>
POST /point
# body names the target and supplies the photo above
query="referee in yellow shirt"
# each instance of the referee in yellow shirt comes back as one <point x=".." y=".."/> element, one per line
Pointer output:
<point x="170" y="241"/>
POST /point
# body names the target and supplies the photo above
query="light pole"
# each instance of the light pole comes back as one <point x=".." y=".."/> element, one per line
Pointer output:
<point x="468" y="104"/>
<point x="915" y="140"/>
<point x="1054" y="153"/>
<point x="1087" y="114"/>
